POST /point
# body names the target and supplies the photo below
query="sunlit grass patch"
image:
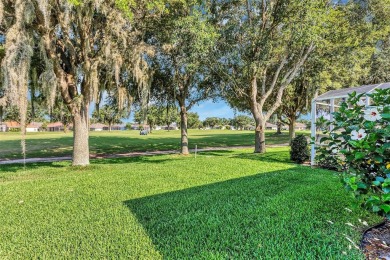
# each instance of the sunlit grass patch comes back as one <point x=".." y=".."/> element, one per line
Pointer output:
<point x="221" y="204"/>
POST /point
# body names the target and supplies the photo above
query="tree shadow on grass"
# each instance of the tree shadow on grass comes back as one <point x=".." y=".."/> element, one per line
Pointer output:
<point x="216" y="152"/>
<point x="274" y="156"/>
<point x="50" y="147"/>
<point x="153" y="159"/>
<point x="112" y="144"/>
<point x="123" y="160"/>
<point x="246" y="218"/>
<point x="17" y="167"/>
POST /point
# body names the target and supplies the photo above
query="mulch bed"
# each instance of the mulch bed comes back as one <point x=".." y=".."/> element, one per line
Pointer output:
<point x="376" y="241"/>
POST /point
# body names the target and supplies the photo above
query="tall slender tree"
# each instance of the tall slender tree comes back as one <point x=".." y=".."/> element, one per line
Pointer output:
<point x="185" y="46"/>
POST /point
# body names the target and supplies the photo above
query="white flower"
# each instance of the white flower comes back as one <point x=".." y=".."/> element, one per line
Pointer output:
<point x="335" y="150"/>
<point x="358" y="135"/>
<point x="372" y="114"/>
<point x="361" y="103"/>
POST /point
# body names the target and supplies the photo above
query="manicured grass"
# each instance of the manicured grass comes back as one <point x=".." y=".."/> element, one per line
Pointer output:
<point x="225" y="204"/>
<point x="51" y="144"/>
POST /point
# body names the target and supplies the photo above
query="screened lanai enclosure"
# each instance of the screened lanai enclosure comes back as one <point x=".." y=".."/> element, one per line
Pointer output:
<point x="329" y="102"/>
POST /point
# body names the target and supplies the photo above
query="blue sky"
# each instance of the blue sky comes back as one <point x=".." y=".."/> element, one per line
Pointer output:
<point x="209" y="108"/>
<point x="213" y="109"/>
<point x="206" y="109"/>
<point x="219" y="108"/>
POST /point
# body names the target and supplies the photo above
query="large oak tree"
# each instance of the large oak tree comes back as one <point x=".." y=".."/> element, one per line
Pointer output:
<point x="262" y="47"/>
<point x="81" y="43"/>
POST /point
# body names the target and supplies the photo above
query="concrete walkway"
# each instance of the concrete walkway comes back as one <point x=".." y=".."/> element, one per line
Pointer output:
<point x="124" y="155"/>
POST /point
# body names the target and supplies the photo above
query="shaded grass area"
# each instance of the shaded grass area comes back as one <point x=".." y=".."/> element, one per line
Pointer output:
<point x="51" y="144"/>
<point x="223" y="204"/>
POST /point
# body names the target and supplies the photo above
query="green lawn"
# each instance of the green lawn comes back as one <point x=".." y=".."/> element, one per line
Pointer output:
<point x="60" y="144"/>
<point x="225" y="204"/>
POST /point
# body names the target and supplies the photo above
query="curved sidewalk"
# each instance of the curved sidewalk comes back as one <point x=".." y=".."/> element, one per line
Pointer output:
<point x="122" y="155"/>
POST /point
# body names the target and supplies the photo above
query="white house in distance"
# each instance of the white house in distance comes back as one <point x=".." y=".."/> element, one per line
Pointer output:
<point x="270" y="126"/>
<point x="172" y="126"/>
<point x="118" y="127"/>
<point x="3" y="127"/>
<point x="98" y="127"/>
<point x="15" y="126"/>
<point x="141" y="127"/>
<point x="300" y="126"/>
<point x="55" y="127"/>
<point x="34" y="127"/>
<point x="12" y="126"/>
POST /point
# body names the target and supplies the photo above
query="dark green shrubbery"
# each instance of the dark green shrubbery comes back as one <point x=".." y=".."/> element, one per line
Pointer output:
<point x="299" y="149"/>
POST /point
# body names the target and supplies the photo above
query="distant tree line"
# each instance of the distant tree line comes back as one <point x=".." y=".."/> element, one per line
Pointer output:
<point x="265" y="58"/>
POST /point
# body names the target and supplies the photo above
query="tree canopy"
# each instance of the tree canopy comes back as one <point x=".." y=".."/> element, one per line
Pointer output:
<point x="263" y="57"/>
<point x="262" y="46"/>
<point x="86" y="47"/>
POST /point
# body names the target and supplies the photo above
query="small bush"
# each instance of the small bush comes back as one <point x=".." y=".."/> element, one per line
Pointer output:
<point x="299" y="149"/>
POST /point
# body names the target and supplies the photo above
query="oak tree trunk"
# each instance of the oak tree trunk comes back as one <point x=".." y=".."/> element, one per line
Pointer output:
<point x="279" y="128"/>
<point x="278" y="124"/>
<point x="183" y="129"/>
<point x="80" y="118"/>
<point x="291" y="129"/>
<point x="80" y="138"/>
<point x="259" y="119"/>
<point x="168" y="121"/>
<point x="260" y="136"/>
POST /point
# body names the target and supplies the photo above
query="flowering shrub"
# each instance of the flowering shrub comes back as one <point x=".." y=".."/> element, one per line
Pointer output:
<point x="359" y="146"/>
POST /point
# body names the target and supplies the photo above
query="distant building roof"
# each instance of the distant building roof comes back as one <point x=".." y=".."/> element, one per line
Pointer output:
<point x="269" y="125"/>
<point x="56" y="124"/>
<point x="12" y="124"/>
<point x="340" y="93"/>
<point x="97" y="126"/>
<point x="172" y="126"/>
<point x="34" y="125"/>
<point x="297" y="124"/>
<point x="138" y="125"/>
